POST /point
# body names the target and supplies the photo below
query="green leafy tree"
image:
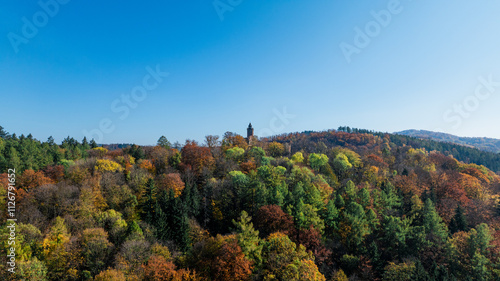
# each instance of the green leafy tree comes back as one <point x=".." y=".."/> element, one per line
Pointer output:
<point x="257" y="153"/>
<point x="33" y="270"/>
<point x="317" y="161"/>
<point x="235" y="154"/>
<point x="341" y="164"/>
<point x="480" y="270"/>
<point x="399" y="272"/>
<point x="298" y="157"/>
<point x="479" y="239"/>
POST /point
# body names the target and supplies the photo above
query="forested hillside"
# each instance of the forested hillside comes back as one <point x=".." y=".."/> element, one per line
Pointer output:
<point x="486" y="144"/>
<point x="463" y="153"/>
<point x="332" y="205"/>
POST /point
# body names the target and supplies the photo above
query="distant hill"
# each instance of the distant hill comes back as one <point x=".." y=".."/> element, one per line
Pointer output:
<point x="485" y="144"/>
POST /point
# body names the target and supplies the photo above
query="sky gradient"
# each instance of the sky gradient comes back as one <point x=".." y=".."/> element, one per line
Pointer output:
<point x="88" y="67"/>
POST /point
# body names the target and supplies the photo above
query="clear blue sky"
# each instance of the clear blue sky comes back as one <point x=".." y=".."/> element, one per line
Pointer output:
<point x="256" y="59"/>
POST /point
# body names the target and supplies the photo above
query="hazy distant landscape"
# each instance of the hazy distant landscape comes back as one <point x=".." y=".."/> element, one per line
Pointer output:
<point x="486" y="144"/>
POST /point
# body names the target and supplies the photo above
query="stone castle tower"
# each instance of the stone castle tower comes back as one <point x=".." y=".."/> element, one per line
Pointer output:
<point x="249" y="133"/>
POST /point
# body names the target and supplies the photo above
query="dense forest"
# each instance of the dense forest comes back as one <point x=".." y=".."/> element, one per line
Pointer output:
<point x="344" y="204"/>
<point x="462" y="152"/>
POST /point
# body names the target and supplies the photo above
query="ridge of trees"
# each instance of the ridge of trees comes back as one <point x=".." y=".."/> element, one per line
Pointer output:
<point x="303" y="206"/>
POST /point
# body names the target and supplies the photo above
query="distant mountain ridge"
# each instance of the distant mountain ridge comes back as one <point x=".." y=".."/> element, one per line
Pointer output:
<point x="485" y="144"/>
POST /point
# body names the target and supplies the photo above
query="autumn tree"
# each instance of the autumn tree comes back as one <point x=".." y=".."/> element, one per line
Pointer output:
<point x="271" y="218"/>
<point x="230" y="140"/>
<point x="96" y="249"/>
<point x="196" y="157"/>
<point x="219" y="258"/>
<point x="110" y="275"/>
<point x="159" y="269"/>
<point x="54" y="250"/>
<point x="171" y="181"/>
<point x="284" y="260"/>
<point x="105" y="165"/>
<point x="276" y="149"/>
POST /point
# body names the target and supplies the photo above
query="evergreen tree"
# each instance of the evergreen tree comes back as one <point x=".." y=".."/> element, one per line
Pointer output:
<point x="330" y="215"/>
<point x="394" y="231"/>
<point x="134" y="231"/>
<point x="51" y="141"/>
<point x="174" y="224"/>
<point x="339" y="201"/>
<point x="93" y="144"/>
<point x="163" y="142"/>
<point x="148" y="203"/>
<point x="459" y="221"/>
<point x="480" y="270"/>
<point x="13" y="160"/>
<point x="434" y="226"/>
<point x="3" y="134"/>
<point x="192" y="200"/>
<point x="85" y="144"/>
<point x="390" y="199"/>
<point x="248" y="238"/>
<point x="479" y="239"/>
<point x="420" y="274"/>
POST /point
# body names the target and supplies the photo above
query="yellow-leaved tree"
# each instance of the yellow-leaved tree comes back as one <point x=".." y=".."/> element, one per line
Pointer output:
<point x="105" y="165"/>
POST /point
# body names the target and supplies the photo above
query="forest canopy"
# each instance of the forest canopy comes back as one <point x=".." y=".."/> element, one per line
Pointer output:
<point x="330" y="205"/>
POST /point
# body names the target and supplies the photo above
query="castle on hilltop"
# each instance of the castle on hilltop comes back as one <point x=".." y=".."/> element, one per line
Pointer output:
<point x="250" y="135"/>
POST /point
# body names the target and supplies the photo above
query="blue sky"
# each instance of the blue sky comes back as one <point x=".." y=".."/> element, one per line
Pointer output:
<point x="278" y="64"/>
